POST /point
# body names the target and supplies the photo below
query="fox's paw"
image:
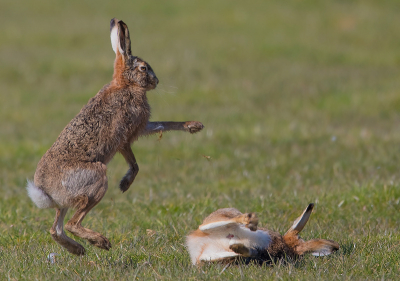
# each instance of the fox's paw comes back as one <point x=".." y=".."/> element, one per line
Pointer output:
<point x="250" y="220"/>
<point x="240" y="249"/>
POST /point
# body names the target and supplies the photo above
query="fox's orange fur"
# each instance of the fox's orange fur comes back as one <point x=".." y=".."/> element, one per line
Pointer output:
<point x="227" y="233"/>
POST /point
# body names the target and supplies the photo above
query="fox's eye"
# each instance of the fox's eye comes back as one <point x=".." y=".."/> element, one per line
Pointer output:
<point x="143" y="68"/>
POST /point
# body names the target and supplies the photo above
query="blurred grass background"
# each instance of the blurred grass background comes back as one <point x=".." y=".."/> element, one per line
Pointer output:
<point x="300" y="102"/>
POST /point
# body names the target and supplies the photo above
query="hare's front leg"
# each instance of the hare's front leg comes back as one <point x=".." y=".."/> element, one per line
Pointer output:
<point x="130" y="176"/>
<point x="163" y="126"/>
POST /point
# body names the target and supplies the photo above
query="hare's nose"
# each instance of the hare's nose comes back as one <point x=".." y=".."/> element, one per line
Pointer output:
<point x="157" y="80"/>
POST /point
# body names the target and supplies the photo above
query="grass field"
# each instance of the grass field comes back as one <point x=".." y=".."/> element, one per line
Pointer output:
<point x="300" y="102"/>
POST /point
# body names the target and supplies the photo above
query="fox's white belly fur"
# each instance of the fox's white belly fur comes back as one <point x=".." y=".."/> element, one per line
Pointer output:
<point x="215" y="242"/>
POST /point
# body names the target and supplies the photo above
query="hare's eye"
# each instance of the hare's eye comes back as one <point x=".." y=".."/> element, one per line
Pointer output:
<point x="143" y="68"/>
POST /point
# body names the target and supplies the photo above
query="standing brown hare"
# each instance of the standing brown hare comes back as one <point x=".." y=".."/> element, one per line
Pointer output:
<point x="227" y="234"/>
<point x="72" y="173"/>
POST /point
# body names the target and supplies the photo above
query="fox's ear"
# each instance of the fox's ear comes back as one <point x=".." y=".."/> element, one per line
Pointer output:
<point x="120" y="38"/>
<point x="301" y="221"/>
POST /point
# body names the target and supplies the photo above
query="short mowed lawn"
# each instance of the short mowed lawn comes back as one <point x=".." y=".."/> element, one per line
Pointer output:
<point x="300" y="102"/>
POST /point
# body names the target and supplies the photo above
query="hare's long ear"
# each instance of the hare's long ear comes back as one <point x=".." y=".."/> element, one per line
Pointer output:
<point x="301" y="221"/>
<point x="120" y="39"/>
<point x="124" y="38"/>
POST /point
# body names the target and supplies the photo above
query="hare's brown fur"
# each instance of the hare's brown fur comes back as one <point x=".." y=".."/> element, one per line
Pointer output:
<point x="72" y="173"/>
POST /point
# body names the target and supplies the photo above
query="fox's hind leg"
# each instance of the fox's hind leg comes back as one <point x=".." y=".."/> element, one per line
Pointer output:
<point x="85" y="203"/>
<point x="243" y="250"/>
<point x="250" y="220"/>
<point x="58" y="234"/>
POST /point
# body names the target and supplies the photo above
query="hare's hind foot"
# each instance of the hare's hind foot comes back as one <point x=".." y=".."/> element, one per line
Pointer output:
<point x="250" y="220"/>
<point x="93" y="237"/>
<point x="71" y="245"/>
<point x="101" y="242"/>
<point x="193" y="126"/>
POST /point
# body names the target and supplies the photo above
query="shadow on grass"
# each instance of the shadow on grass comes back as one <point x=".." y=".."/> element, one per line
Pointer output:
<point x="260" y="262"/>
<point x="131" y="262"/>
<point x="347" y="249"/>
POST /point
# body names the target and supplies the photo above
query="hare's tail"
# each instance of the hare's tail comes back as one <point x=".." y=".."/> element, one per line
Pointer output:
<point x="38" y="196"/>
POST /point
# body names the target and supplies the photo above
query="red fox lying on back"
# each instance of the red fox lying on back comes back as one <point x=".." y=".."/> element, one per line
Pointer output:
<point x="227" y="233"/>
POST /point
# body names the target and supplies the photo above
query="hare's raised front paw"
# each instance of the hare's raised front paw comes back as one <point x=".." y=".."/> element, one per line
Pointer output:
<point x="193" y="126"/>
<point x="125" y="184"/>
<point x="250" y="220"/>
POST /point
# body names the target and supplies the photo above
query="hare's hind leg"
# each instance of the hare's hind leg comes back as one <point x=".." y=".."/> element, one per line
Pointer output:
<point x="84" y="203"/>
<point x="58" y="234"/>
<point x="74" y="226"/>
